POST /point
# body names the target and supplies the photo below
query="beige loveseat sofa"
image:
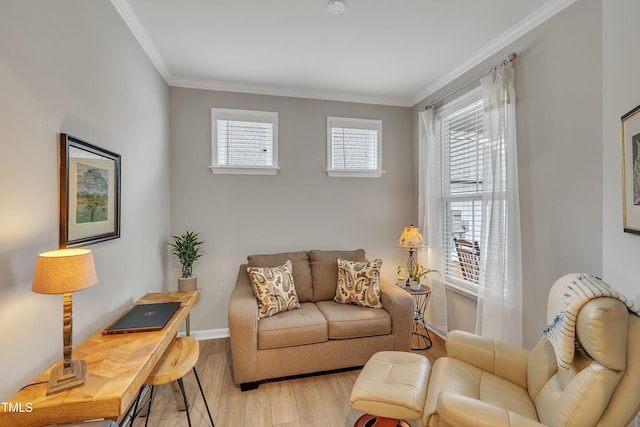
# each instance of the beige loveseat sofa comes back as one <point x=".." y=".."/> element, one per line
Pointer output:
<point x="321" y="335"/>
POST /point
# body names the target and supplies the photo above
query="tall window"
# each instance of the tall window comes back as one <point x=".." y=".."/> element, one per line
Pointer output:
<point x="469" y="201"/>
<point x="459" y="129"/>
<point x="354" y="147"/>
<point x="244" y="141"/>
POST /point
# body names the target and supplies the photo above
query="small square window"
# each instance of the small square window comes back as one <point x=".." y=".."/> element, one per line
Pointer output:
<point x="244" y="141"/>
<point x="354" y="147"/>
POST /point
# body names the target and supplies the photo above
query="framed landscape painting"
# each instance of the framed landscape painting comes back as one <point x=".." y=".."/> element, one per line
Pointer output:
<point x="89" y="193"/>
<point x="630" y="131"/>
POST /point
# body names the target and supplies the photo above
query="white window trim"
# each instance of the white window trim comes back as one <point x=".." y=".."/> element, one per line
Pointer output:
<point x="458" y="285"/>
<point x="356" y="124"/>
<point x="243" y="115"/>
<point x="461" y="288"/>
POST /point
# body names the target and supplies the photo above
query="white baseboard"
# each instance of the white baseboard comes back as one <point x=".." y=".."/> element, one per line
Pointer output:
<point x="208" y="334"/>
<point x="439" y="333"/>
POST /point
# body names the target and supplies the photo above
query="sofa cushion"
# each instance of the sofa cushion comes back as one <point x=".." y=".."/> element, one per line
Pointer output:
<point x="359" y="283"/>
<point x="305" y="325"/>
<point x="274" y="289"/>
<point x="354" y="321"/>
<point x="324" y="270"/>
<point x="301" y="270"/>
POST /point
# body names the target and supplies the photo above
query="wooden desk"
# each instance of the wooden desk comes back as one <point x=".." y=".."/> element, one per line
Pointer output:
<point x="117" y="366"/>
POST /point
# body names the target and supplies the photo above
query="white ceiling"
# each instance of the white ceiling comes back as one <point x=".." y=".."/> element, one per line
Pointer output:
<point x="392" y="52"/>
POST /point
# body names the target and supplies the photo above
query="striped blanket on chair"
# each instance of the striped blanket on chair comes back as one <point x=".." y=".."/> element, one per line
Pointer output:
<point x="562" y="330"/>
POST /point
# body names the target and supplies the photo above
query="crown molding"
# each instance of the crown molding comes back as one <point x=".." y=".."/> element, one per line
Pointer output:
<point x="548" y="10"/>
<point x="259" y="89"/>
<point x="137" y="29"/>
<point x="541" y="15"/>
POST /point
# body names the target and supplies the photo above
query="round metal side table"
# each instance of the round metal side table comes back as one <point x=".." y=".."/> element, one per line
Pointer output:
<point x="419" y="329"/>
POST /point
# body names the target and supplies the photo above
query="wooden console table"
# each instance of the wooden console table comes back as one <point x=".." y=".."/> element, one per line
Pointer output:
<point x="116" y="367"/>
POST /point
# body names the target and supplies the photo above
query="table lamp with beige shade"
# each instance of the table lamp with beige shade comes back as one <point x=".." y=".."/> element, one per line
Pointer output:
<point x="65" y="271"/>
<point x="411" y="239"/>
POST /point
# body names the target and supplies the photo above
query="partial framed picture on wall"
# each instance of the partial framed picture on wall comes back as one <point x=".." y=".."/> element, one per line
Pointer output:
<point x="630" y="131"/>
<point x="89" y="193"/>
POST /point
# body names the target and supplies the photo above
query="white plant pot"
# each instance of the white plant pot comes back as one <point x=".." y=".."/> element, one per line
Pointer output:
<point x="187" y="283"/>
<point x="415" y="286"/>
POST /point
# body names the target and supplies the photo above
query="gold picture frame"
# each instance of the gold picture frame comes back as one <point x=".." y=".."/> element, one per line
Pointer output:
<point x="89" y="193"/>
<point x="630" y="134"/>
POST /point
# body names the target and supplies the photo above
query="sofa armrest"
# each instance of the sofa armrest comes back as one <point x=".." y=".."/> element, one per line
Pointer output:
<point x="463" y="411"/>
<point x="243" y="328"/>
<point x="496" y="357"/>
<point x="399" y="304"/>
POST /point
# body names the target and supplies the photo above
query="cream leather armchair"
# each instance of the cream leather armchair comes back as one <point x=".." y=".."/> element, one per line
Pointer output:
<point x="484" y="383"/>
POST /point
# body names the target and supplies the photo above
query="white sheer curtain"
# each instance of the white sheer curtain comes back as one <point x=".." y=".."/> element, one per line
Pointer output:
<point x="499" y="314"/>
<point x="430" y="208"/>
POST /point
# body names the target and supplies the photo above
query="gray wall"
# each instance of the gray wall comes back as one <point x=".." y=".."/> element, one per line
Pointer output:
<point x="73" y="67"/>
<point x="559" y="99"/>
<point x="298" y="209"/>
<point x="621" y="86"/>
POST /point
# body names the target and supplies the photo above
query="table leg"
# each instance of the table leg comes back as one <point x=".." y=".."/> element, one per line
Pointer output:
<point x="419" y="329"/>
<point x="177" y="395"/>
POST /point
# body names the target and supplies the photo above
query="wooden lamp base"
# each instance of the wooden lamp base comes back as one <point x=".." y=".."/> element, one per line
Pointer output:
<point x="63" y="379"/>
<point x="70" y="373"/>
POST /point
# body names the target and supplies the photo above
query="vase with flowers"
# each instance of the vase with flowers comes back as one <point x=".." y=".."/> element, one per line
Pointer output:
<point x="415" y="275"/>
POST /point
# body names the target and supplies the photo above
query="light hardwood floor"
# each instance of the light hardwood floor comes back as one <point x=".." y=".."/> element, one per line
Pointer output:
<point x="319" y="400"/>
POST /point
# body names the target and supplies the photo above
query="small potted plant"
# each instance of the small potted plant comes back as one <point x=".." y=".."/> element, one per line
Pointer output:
<point x="187" y="248"/>
<point x="415" y="275"/>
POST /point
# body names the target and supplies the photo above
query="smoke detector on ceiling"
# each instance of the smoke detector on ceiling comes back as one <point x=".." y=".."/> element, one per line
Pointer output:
<point x="336" y="7"/>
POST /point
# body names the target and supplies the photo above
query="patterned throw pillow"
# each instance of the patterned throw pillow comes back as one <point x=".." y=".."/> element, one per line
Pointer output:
<point x="274" y="289"/>
<point x="359" y="283"/>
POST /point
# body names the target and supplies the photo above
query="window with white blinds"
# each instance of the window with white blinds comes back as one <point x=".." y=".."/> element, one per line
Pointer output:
<point x="459" y="128"/>
<point x="354" y="147"/>
<point x="244" y="141"/>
